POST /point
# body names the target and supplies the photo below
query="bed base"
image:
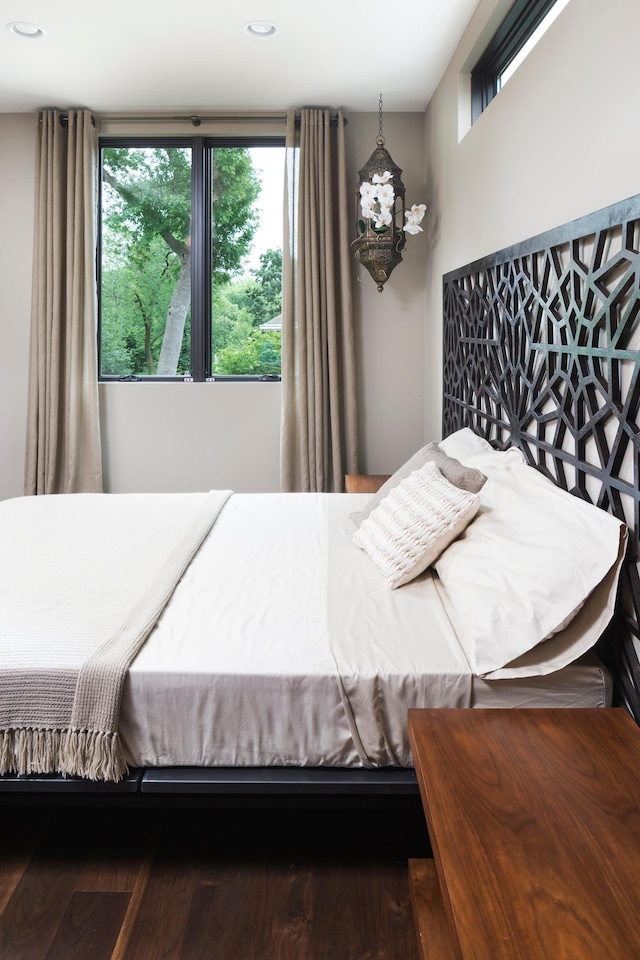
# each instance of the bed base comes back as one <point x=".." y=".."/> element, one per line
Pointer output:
<point x="323" y="782"/>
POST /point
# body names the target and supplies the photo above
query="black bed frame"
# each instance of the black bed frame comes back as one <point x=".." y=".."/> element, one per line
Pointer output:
<point x="540" y="351"/>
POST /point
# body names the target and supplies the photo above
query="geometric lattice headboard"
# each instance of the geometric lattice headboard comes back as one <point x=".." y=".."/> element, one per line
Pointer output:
<point x="542" y="351"/>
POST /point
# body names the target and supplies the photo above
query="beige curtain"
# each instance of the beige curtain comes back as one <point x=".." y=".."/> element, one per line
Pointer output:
<point x="319" y="430"/>
<point x="63" y="434"/>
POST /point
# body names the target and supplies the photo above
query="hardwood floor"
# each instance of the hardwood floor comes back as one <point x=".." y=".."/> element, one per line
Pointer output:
<point x="301" y="883"/>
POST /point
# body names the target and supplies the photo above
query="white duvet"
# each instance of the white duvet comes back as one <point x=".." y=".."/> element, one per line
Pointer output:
<point x="283" y="646"/>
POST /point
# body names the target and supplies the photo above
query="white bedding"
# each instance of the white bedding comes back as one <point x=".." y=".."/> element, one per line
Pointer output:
<point x="283" y="646"/>
<point x="83" y="579"/>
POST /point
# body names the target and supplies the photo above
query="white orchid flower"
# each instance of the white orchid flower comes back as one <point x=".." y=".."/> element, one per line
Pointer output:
<point x="416" y="213"/>
<point x="383" y="219"/>
<point x="376" y="202"/>
<point x="367" y="191"/>
<point x="386" y="194"/>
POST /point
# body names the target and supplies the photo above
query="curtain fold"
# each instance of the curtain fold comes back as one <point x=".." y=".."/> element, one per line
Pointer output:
<point x="63" y="452"/>
<point x="319" y="410"/>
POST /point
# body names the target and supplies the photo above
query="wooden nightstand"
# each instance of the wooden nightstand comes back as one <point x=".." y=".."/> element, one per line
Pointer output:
<point x="364" y="482"/>
<point x="534" y="822"/>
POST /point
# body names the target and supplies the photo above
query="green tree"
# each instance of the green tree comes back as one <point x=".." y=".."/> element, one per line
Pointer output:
<point x="239" y="309"/>
<point x="258" y="354"/>
<point x="265" y="296"/>
<point x="147" y="206"/>
<point x="135" y="299"/>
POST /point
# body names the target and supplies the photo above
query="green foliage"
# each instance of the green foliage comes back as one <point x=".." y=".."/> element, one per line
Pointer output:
<point x="235" y="188"/>
<point x="149" y="195"/>
<point x="134" y="308"/>
<point x="257" y="355"/>
<point x="239" y="308"/>
<point x="265" y="296"/>
<point x="232" y="321"/>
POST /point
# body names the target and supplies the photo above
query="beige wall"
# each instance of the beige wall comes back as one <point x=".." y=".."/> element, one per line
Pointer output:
<point x="390" y="325"/>
<point x="561" y="140"/>
<point x="198" y="436"/>
<point x="17" y="164"/>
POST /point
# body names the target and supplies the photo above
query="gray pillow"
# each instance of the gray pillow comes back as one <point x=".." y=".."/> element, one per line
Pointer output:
<point x="465" y="478"/>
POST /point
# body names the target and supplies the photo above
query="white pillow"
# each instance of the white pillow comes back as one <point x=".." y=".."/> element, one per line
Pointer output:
<point x="476" y="452"/>
<point x="529" y="563"/>
<point x="410" y="527"/>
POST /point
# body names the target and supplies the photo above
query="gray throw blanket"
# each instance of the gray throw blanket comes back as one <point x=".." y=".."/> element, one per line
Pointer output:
<point x="83" y="580"/>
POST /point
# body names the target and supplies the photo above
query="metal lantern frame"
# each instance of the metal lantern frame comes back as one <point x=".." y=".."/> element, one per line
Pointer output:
<point x="379" y="249"/>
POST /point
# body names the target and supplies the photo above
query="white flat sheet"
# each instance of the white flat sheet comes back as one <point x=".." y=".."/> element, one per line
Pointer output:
<point x="282" y="646"/>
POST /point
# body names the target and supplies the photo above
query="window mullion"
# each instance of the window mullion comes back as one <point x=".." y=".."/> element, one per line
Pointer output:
<point x="200" y="262"/>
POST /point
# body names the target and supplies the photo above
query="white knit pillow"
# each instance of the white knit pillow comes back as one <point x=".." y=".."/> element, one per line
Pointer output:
<point x="411" y="527"/>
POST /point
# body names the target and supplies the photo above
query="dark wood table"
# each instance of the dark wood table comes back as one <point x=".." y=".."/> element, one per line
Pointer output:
<point x="534" y="822"/>
<point x="364" y="482"/>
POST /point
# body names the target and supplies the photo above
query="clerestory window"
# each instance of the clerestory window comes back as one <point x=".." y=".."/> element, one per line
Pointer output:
<point x="190" y="258"/>
<point x="525" y="23"/>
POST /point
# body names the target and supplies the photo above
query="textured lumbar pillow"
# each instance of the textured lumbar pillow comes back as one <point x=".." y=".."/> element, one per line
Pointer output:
<point x="467" y="478"/>
<point x="411" y="527"/>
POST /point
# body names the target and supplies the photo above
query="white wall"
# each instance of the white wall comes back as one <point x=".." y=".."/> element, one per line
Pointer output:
<point x="561" y="140"/>
<point x="169" y="436"/>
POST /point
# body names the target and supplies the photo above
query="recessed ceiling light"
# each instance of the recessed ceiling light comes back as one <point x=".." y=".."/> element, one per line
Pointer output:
<point x="27" y="31"/>
<point x="260" y="29"/>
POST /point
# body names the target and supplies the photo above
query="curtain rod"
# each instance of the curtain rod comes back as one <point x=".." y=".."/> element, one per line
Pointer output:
<point x="195" y="119"/>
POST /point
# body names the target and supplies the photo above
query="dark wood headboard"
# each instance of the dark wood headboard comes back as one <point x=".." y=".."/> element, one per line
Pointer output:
<point x="542" y="350"/>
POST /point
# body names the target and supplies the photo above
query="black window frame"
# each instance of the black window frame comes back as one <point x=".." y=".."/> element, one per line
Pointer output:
<point x="522" y="20"/>
<point x="201" y="305"/>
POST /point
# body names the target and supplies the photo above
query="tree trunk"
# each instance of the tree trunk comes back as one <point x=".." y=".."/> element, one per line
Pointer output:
<point x="176" y="317"/>
<point x="148" y="356"/>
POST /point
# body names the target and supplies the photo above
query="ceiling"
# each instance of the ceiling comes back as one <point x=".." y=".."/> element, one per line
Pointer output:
<point x="153" y="55"/>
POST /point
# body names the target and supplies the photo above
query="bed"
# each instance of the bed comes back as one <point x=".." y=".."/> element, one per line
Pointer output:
<point x="276" y="648"/>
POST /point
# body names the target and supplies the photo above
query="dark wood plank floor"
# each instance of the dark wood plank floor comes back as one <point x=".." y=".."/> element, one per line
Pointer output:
<point x="301" y="883"/>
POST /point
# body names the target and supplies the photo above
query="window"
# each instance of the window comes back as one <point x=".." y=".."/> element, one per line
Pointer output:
<point x="518" y="33"/>
<point x="190" y="258"/>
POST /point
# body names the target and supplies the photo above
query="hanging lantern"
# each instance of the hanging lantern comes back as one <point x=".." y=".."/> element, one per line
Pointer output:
<point x="380" y="213"/>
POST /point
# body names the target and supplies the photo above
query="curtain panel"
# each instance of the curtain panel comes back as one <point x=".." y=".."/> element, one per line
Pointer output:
<point x="63" y="452"/>
<point x="319" y="413"/>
